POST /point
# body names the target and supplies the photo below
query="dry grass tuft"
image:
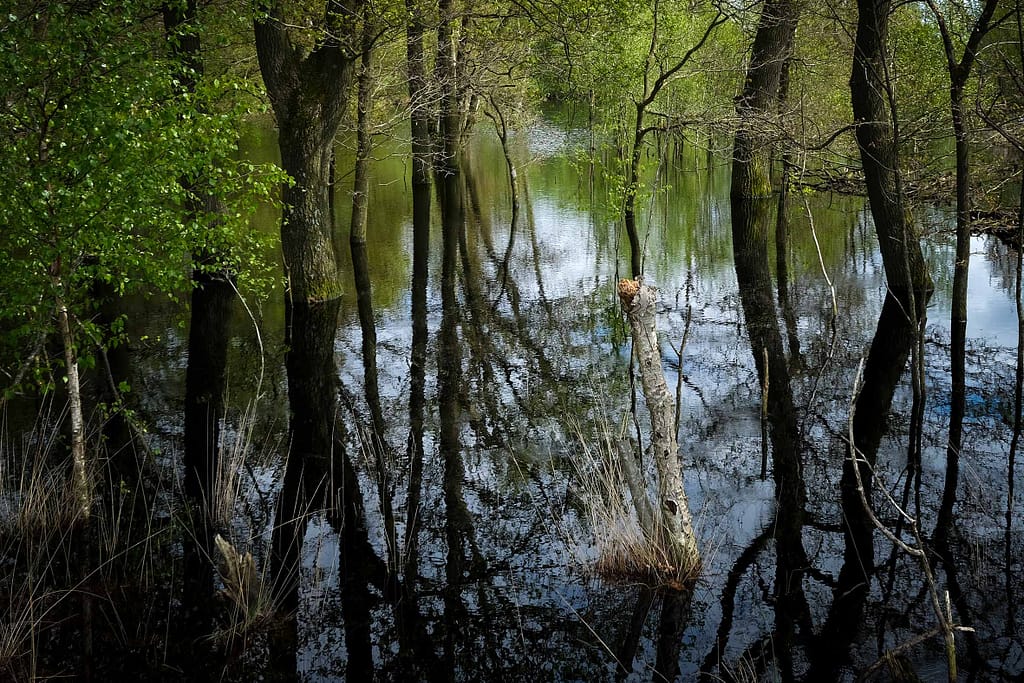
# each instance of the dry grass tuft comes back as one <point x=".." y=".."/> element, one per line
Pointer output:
<point x="36" y="497"/>
<point x="39" y="504"/>
<point x="616" y="501"/>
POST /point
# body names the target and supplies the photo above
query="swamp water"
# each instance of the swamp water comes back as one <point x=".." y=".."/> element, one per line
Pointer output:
<point x="494" y="417"/>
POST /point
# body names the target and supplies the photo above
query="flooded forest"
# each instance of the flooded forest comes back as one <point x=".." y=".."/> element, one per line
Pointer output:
<point x="525" y="340"/>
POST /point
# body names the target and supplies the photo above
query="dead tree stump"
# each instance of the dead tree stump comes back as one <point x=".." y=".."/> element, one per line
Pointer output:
<point x="674" y="524"/>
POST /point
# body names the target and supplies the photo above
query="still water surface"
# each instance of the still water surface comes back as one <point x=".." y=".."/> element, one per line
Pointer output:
<point x="501" y="586"/>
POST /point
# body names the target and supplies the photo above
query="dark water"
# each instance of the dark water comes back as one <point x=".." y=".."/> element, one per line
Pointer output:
<point x="488" y="574"/>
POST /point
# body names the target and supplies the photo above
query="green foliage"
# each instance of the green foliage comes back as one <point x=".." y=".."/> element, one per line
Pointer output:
<point x="637" y="66"/>
<point x="100" y="140"/>
<point x="599" y="51"/>
<point x="818" y="101"/>
<point x="920" y="80"/>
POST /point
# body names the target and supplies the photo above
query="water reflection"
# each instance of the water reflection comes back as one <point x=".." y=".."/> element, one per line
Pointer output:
<point x="205" y="386"/>
<point x="793" y="625"/>
<point x="488" y="335"/>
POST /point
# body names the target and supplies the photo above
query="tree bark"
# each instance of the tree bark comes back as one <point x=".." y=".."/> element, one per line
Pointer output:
<point x="676" y="527"/>
<point x="751" y="177"/>
<point x="308" y="95"/>
<point x="870" y="91"/>
<point x="79" y="472"/>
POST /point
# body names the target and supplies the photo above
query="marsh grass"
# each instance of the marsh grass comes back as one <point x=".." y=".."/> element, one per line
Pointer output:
<point x="30" y="607"/>
<point x="38" y="517"/>
<point x="235" y="512"/>
<point x="231" y="486"/>
<point x="244" y="523"/>
<point x="628" y="534"/>
<point x="66" y="581"/>
<point x="35" y="492"/>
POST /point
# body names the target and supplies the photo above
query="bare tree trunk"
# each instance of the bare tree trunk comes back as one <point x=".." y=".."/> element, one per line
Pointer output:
<point x="79" y="473"/>
<point x="676" y="527"/>
<point x="959" y="72"/>
<point x="418" y="101"/>
<point x="636" y="260"/>
<point x="907" y="278"/>
<point x="364" y="141"/>
<point x="445" y="72"/>
<point x="497" y="116"/>
<point x="501" y="128"/>
<point x="308" y="94"/>
<point x="905" y="271"/>
<point x="782" y="235"/>
<point x="364" y="290"/>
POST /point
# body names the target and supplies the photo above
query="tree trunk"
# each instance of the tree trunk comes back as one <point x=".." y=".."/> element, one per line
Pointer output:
<point x="205" y="375"/>
<point x="751" y="186"/>
<point x="445" y="72"/>
<point x="782" y="235"/>
<point x="629" y="201"/>
<point x="79" y="471"/>
<point x="467" y="101"/>
<point x="364" y="291"/>
<point x="413" y="654"/>
<point x="905" y="270"/>
<point x="418" y="104"/>
<point x="497" y="116"/>
<point x="308" y="96"/>
<point x="680" y="543"/>
<point x="364" y="144"/>
<point x="751" y="220"/>
<point x="773" y="43"/>
<point x="959" y="72"/>
<point x="310" y="265"/>
<point x="501" y="128"/>
<point x="958" y="312"/>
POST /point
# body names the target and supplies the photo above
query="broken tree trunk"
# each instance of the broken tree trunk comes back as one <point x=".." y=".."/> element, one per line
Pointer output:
<point x="674" y="524"/>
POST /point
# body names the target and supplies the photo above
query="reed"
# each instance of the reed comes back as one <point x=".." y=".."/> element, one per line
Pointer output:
<point x="628" y="533"/>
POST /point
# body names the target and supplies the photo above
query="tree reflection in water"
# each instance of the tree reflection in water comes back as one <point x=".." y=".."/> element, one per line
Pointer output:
<point x="488" y="339"/>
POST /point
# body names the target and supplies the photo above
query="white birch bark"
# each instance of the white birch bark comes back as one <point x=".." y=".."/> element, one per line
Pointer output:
<point x="676" y="526"/>
<point x="79" y="473"/>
